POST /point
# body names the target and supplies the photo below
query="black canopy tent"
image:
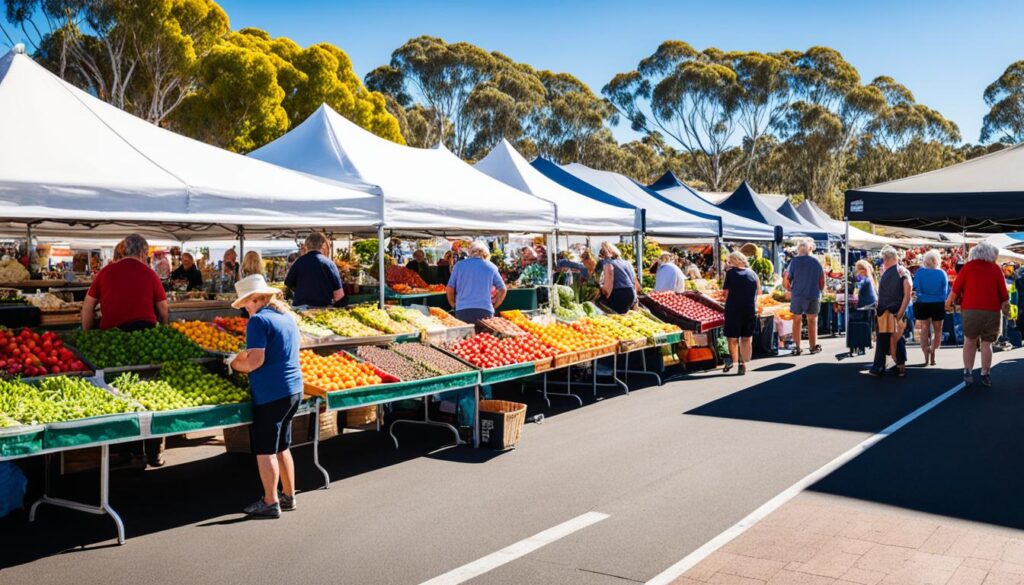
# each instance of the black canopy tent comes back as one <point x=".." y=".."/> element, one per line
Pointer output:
<point x="985" y="194"/>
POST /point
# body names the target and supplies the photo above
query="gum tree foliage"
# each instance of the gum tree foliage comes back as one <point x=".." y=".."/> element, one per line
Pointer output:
<point x="1005" y="98"/>
<point x="177" y="63"/>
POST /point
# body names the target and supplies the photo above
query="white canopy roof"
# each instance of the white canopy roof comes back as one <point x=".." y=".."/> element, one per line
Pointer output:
<point x="72" y="158"/>
<point x="662" y="218"/>
<point x="424" y="188"/>
<point x="576" y="213"/>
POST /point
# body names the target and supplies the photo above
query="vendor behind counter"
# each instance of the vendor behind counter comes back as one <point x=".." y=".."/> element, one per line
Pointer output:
<point x="129" y="292"/>
<point x="188" y="273"/>
<point x="313" y="278"/>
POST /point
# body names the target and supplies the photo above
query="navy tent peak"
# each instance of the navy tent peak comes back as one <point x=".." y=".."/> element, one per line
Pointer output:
<point x="744" y="201"/>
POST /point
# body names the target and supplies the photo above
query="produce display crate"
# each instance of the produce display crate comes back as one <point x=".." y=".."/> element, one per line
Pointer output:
<point x="506" y="373"/>
<point x="391" y="392"/>
<point x="631" y="345"/>
<point x="564" y="359"/>
<point x="448" y="334"/>
<point x="186" y="420"/>
<point x="21" y="440"/>
<point x="596" y="352"/>
<point x="543" y="365"/>
<point x="501" y="423"/>
<point x="674" y="318"/>
<point x="488" y="329"/>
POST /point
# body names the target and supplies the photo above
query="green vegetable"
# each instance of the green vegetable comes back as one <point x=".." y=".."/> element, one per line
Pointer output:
<point x="58" y="399"/>
<point x="566" y="296"/>
<point x="114" y="348"/>
<point x="763" y="268"/>
<point x="180" y="385"/>
<point x="591" y="309"/>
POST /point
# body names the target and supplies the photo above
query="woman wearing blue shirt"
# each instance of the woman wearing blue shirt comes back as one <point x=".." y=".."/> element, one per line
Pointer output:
<point x="475" y="287"/>
<point x="866" y="290"/>
<point x="272" y="361"/>
<point x="931" y="287"/>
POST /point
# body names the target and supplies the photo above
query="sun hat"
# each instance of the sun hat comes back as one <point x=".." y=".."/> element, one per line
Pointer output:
<point x="252" y="285"/>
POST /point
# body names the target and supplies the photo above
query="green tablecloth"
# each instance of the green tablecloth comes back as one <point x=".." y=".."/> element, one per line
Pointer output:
<point x="90" y="431"/>
<point x="20" y="441"/>
<point x="176" y="422"/>
<point x="506" y="373"/>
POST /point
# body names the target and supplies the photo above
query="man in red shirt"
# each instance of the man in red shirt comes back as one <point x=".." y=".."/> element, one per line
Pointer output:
<point x="129" y="292"/>
<point x="980" y="288"/>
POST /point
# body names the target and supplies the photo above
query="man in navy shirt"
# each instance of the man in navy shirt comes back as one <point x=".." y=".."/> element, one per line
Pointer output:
<point x="314" y="278"/>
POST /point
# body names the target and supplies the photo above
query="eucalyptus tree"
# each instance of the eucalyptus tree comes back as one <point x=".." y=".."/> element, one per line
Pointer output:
<point x="1005" y="97"/>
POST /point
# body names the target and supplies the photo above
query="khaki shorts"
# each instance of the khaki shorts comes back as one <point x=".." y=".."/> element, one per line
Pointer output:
<point x="983" y="324"/>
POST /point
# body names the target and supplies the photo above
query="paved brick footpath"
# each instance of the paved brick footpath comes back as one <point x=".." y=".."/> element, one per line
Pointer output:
<point x="818" y="539"/>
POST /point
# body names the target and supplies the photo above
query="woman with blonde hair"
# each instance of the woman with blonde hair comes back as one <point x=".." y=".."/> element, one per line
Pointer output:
<point x="619" y="285"/>
<point x="867" y="289"/>
<point x="271" y="359"/>
<point x="931" y="287"/>
<point x="252" y="263"/>
<point x="740" y="287"/>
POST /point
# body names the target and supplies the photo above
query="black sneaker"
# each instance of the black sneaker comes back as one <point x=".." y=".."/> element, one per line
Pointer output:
<point x="287" y="502"/>
<point x="986" y="380"/>
<point x="261" y="509"/>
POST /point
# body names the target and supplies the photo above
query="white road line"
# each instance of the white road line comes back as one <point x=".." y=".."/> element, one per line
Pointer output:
<point x="689" y="561"/>
<point x="515" y="551"/>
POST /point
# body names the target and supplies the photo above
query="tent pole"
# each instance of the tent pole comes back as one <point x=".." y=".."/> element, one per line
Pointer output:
<point x="28" y="244"/>
<point x="846" y="273"/>
<point x="638" y="252"/>
<point x="241" y="251"/>
<point x="380" y="263"/>
<point x="718" y="257"/>
<point x="552" y="241"/>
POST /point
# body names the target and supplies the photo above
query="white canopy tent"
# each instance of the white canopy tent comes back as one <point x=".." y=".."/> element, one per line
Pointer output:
<point x="424" y="189"/>
<point x="576" y="213"/>
<point x="74" y="165"/>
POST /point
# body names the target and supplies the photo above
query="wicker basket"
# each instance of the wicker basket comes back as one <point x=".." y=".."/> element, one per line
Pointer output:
<point x="360" y="417"/>
<point x="501" y="423"/>
<point x="629" y="345"/>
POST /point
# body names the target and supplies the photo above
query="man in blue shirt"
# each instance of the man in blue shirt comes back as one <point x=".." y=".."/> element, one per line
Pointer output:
<point x="470" y="287"/>
<point x="314" y="278"/>
<point x="804" y="279"/>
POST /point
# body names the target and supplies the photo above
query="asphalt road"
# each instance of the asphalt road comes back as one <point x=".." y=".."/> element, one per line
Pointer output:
<point x="672" y="466"/>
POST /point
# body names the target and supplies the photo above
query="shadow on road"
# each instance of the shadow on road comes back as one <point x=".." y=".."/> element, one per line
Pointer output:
<point x="211" y="491"/>
<point x="962" y="459"/>
<point x="836" y="396"/>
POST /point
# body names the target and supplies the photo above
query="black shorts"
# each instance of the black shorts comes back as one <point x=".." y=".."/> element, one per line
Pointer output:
<point x="933" y="311"/>
<point x="271" y="430"/>
<point x="739" y="324"/>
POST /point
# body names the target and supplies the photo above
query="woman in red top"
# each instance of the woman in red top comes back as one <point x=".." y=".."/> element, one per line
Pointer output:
<point x="129" y="292"/>
<point x="980" y="290"/>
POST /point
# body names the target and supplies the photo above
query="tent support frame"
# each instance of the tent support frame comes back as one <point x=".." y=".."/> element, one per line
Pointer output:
<point x="846" y="277"/>
<point x="380" y="263"/>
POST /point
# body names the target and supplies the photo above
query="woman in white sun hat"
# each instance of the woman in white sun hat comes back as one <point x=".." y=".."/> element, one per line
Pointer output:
<point x="271" y="359"/>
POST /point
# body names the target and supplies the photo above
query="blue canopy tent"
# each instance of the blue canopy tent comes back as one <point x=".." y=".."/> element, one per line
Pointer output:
<point x="734" y="227"/>
<point x="659" y="215"/>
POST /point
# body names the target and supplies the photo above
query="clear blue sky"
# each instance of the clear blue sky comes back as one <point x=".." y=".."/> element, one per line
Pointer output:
<point x="946" y="52"/>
